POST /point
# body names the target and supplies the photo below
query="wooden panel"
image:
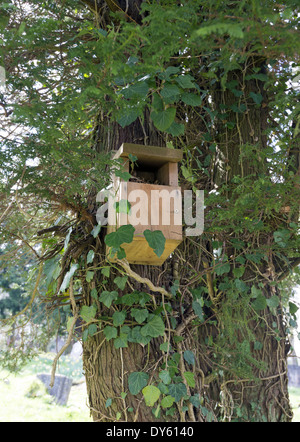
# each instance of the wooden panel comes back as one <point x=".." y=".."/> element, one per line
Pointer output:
<point x="139" y="252"/>
<point x="150" y="155"/>
<point x="161" y="213"/>
<point x="168" y="174"/>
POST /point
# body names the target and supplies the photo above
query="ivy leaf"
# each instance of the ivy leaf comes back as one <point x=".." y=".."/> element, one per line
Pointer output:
<point x="190" y="379"/>
<point x="222" y="269"/>
<point x="165" y="377"/>
<point x="195" y="401"/>
<point x="121" y="341"/>
<point x="140" y="315"/>
<point x="167" y="402"/>
<point x="88" y="313"/>
<point x="163" y="119"/>
<point x="189" y="357"/>
<point x="178" y="391"/>
<point x="125" y="176"/>
<point x="293" y="308"/>
<point x="90" y="257"/>
<point x="260" y="303"/>
<point x="154" y="328"/>
<point x="273" y="302"/>
<point x="197" y="307"/>
<point x="151" y="395"/>
<point x="121" y="281"/>
<point x="257" y="98"/>
<point x="108" y="297"/>
<point x="123" y="234"/>
<point x="89" y="276"/>
<point x="92" y="329"/>
<point x="105" y="271"/>
<point x="118" y="318"/>
<point x="108" y="402"/>
<point x="110" y="332"/>
<point x="137" y="381"/>
<point x="156" y="241"/>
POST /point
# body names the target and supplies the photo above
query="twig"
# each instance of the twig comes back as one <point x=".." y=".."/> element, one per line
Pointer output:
<point x="142" y="280"/>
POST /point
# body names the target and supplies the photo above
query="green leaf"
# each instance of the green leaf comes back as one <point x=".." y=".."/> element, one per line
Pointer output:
<point x="281" y="237"/>
<point x="121" y="281"/>
<point x="123" y="234"/>
<point x="170" y="91"/>
<point x="163" y="119"/>
<point x="165" y="377"/>
<point x="125" y="176"/>
<point x="68" y="277"/>
<point x="154" y="328"/>
<point x="293" y="308"/>
<point x="127" y="116"/>
<point x="273" y="302"/>
<point x="167" y="402"/>
<point x="151" y="395"/>
<point x="92" y="329"/>
<point x="156" y="241"/>
<point x="165" y="346"/>
<point x="178" y="391"/>
<point x="108" y="297"/>
<point x="234" y="30"/>
<point x="189" y="357"/>
<point x="89" y="276"/>
<point x="197" y="307"/>
<point x="257" y="98"/>
<point x="260" y="303"/>
<point x="136" y="337"/>
<point x="190" y="379"/>
<point x="138" y="90"/>
<point x="222" y="269"/>
<point x="191" y="99"/>
<point x="241" y="285"/>
<point x="137" y="381"/>
<point x="105" y="271"/>
<point x="108" y="402"/>
<point x="88" y="313"/>
<point x="140" y="315"/>
<point x="121" y="341"/>
<point x="239" y="271"/>
<point x="110" y="332"/>
<point x="90" y="257"/>
<point x="186" y="81"/>
<point x="195" y="401"/>
<point x="118" y="318"/>
<point x="176" y="129"/>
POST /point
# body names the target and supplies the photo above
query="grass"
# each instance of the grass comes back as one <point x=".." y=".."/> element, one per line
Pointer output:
<point x="295" y="402"/>
<point x="16" y="407"/>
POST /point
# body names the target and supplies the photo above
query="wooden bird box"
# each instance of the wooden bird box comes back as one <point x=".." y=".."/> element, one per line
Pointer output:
<point x="154" y="197"/>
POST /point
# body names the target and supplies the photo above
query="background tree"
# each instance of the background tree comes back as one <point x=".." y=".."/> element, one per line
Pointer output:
<point x="204" y="337"/>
